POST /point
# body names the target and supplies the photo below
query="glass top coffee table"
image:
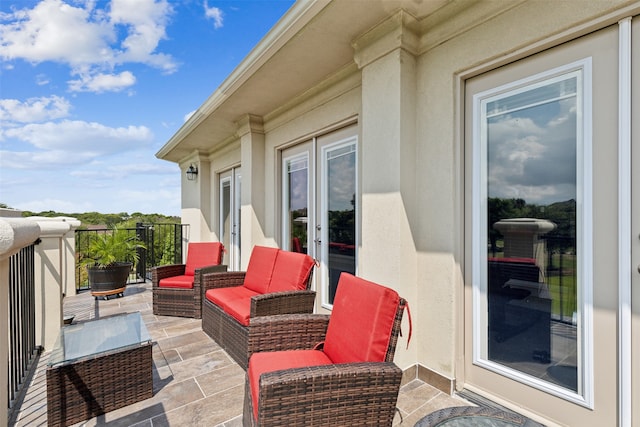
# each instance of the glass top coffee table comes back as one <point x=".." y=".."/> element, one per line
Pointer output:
<point x="473" y="416"/>
<point x="98" y="366"/>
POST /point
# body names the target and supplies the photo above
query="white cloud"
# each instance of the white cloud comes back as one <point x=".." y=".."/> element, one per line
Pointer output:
<point x="99" y="83"/>
<point x="86" y="39"/>
<point x="42" y="80"/>
<point x="145" y="21"/>
<point x="213" y="13"/>
<point x="56" y="31"/>
<point x="42" y="159"/>
<point x="76" y="135"/>
<point x="53" y="145"/>
<point x="34" y="109"/>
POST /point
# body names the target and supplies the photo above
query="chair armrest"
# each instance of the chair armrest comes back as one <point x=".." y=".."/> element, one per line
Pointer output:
<point x="286" y="332"/>
<point x="200" y="272"/>
<point x="222" y="280"/>
<point x="372" y="393"/>
<point x="220" y="268"/>
<point x="288" y="302"/>
<point x="163" y="271"/>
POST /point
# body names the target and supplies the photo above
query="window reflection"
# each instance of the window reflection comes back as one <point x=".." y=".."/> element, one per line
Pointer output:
<point x="341" y="188"/>
<point x="532" y="150"/>
<point x="298" y="203"/>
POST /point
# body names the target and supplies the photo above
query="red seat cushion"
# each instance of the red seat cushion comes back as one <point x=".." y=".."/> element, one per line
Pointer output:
<point x="260" y="268"/>
<point x="361" y="322"/>
<point x="184" y="282"/>
<point x="202" y="254"/>
<point x="222" y="296"/>
<point x="239" y="309"/>
<point x="291" y="272"/>
<point x="272" y="361"/>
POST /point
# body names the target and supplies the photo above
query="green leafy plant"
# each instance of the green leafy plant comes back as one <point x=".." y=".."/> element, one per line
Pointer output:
<point x="113" y="247"/>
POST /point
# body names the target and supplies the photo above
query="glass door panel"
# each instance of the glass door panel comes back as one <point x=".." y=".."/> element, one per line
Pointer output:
<point x="337" y="225"/>
<point x="225" y="216"/>
<point x="229" y="228"/>
<point x="296" y="203"/>
<point x="530" y="143"/>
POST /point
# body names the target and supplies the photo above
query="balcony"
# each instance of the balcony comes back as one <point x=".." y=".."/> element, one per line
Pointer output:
<point x="194" y="381"/>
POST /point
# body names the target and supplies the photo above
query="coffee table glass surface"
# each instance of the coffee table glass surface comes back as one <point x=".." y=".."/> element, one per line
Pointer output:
<point x="98" y="337"/>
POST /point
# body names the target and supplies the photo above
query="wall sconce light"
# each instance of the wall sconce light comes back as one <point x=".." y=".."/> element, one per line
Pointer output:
<point x="192" y="172"/>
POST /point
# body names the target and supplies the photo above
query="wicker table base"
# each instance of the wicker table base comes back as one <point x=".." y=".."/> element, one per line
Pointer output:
<point x="94" y="385"/>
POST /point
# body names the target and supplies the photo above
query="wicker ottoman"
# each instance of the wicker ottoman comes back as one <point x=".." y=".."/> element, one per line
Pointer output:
<point x="97" y="367"/>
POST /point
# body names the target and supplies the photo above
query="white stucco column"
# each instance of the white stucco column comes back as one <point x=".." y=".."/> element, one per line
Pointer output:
<point x="68" y="252"/>
<point x="252" y="195"/>
<point x="196" y="200"/>
<point x="387" y="253"/>
<point x="15" y="234"/>
<point x="48" y="278"/>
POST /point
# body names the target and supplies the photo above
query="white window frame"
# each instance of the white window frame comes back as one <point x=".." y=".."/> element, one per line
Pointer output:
<point x="584" y="233"/>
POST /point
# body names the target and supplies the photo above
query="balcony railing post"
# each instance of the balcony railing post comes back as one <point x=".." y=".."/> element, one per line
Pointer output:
<point x="15" y="234"/>
<point x="49" y="259"/>
<point x="67" y="251"/>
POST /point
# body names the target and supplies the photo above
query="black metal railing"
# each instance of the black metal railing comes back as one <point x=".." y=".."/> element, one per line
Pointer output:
<point x="22" y="323"/>
<point x="163" y="245"/>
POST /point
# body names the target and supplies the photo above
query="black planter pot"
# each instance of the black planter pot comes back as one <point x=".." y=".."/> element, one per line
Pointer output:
<point x="109" y="281"/>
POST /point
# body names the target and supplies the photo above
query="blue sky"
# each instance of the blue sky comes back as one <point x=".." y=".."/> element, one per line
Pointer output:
<point x="91" y="90"/>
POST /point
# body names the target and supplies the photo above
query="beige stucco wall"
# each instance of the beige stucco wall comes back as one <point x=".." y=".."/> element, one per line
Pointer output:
<point x="407" y="98"/>
<point x="526" y="28"/>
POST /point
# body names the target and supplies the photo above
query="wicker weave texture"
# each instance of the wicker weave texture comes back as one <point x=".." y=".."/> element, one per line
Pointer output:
<point x="177" y="301"/>
<point x="287" y="332"/>
<point x="228" y="332"/>
<point x="88" y="388"/>
<point x="347" y="395"/>
<point x="350" y="394"/>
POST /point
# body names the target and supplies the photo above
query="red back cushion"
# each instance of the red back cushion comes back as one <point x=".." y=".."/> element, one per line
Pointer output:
<point x="361" y="321"/>
<point x="202" y="254"/>
<point x="291" y="272"/>
<point x="260" y="268"/>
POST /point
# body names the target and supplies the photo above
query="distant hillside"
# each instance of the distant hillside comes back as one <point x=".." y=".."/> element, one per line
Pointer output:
<point x="122" y="219"/>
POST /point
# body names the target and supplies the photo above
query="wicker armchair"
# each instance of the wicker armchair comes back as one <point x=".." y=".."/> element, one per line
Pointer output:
<point x="276" y="282"/>
<point x="348" y="379"/>
<point x="177" y="289"/>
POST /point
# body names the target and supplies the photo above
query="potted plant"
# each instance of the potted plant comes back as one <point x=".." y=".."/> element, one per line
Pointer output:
<point x="109" y="259"/>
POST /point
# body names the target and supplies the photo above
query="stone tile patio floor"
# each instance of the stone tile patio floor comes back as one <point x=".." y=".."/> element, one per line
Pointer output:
<point x="195" y="383"/>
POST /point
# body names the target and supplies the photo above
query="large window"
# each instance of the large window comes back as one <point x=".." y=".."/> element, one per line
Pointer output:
<point x="530" y="255"/>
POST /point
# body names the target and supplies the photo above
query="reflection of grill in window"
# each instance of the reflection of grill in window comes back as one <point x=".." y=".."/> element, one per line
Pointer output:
<point x="518" y="304"/>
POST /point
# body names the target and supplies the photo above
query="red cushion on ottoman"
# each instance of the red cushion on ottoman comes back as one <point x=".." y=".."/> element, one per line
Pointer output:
<point x="272" y="361"/>
<point x="291" y="272"/>
<point x="202" y="254"/>
<point x="260" y="268"/>
<point x="361" y="321"/>
<point x="183" y="282"/>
